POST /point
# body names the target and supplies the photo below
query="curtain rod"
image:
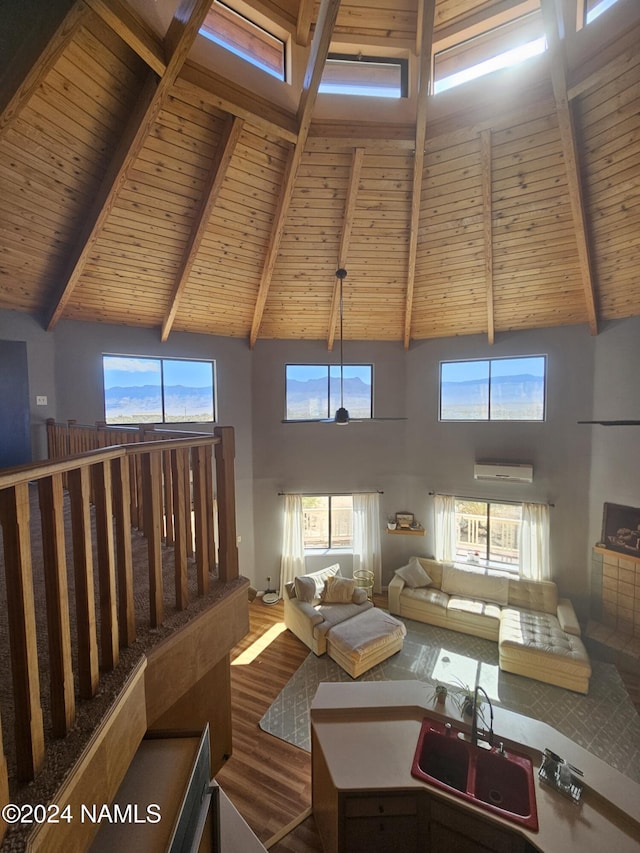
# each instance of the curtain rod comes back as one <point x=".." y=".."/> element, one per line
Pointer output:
<point x="490" y="500"/>
<point x="332" y="494"/>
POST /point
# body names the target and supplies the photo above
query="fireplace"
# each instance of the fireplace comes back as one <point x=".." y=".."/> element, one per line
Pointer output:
<point x="615" y="590"/>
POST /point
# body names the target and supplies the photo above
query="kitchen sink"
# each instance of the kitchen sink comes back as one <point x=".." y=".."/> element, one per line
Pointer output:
<point x="499" y="781"/>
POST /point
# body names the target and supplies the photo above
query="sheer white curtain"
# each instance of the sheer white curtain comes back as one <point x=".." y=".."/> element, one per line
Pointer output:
<point x="292" y="562"/>
<point x="445" y="529"/>
<point x="535" y="563"/>
<point x="367" y="545"/>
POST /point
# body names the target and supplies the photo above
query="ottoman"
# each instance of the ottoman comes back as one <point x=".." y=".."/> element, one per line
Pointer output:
<point x="532" y="643"/>
<point x="361" y="642"/>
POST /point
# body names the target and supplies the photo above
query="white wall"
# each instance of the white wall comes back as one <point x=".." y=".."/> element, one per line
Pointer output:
<point x="615" y="468"/>
<point x="409" y="459"/>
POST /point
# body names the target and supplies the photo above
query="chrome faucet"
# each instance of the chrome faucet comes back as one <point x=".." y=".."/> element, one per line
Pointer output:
<point x="474" y="723"/>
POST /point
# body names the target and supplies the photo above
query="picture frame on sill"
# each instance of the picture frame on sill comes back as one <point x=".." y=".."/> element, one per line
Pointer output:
<point x="404" y="520"/>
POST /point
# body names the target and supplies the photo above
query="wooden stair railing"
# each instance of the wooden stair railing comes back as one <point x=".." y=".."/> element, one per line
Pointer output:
<point x="165" y="485"/>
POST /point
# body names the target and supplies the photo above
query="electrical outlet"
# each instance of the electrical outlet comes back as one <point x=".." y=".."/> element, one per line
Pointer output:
<point x="41" y="401"/>
<point x="238" y="540"/>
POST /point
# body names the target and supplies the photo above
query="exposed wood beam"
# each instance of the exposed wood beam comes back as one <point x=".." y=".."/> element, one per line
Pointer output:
<point x="487" y="215"/>
<point x="228" y="142"/>
<point x="215" y="178"/>
<point x="345" y="238"/>
<point x="317" y="57"/>
<point x="231" y="98"/>
<point x="131" y="30"/>
<point x="180" y="35"/>
<point x="427" y="14"/>
<point x="555" y="14"/>
<point x="303" y="23"/>
<point x="12" y="102"/>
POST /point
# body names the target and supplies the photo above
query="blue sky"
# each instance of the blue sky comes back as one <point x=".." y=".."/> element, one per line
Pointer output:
<point x="304" y="372"/>
<point x="463" y="371"/>
<point x="132" y="372"/>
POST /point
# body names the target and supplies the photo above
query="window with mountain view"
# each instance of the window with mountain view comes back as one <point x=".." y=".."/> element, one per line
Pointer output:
<point x="313" y="391"/>
<point x="496" y="389"/>
<point x="157" y="390"/>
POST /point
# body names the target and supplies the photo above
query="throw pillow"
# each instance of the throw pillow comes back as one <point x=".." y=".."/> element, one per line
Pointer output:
<point x="338" y="590"/>
<point x="414" y="575"/>
<point x="305" y="588"/>
<point x="310" y="587"/>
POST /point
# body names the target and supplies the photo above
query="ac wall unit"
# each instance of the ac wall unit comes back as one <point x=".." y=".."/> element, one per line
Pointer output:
<point x="509" y="471"/>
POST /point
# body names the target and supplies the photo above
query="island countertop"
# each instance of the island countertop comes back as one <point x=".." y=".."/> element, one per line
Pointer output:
<point x="368" y="733"/>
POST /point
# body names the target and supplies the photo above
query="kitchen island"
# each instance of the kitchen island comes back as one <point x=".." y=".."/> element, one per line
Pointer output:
<point x="364" y="737"/>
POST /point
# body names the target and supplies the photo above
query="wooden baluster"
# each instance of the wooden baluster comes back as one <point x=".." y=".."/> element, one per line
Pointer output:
<point x="79" y="492"/>
<point x="180" y="509"/>
<point x="226" y="492"/>
<point x="151" y="491"/>
<point x="200" y="512"/>
<point x="169" y="532"/>
<point x="14" y="517"/>
<point x="4" y="784"/>
<point x="121" y="483"/>
<point x="103" y="501"/>
<point x="188" y="491"/>
<point x="211" y="510"/>
<point x="55" y="577"/>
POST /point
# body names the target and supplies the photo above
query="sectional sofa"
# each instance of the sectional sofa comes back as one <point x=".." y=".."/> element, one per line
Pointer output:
<point x="538" y="633"/>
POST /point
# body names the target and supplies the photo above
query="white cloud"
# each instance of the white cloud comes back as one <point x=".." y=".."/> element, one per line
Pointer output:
<point x="131" y="365"/>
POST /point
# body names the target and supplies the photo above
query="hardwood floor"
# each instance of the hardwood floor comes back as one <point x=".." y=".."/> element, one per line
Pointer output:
<point x="268" y="780"/>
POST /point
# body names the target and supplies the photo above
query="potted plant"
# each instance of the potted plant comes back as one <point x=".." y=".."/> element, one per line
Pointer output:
<point x="391" y="522"/>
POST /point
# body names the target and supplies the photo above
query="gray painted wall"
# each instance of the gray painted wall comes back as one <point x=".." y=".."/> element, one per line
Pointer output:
<point x="576" y="468"/>
<point x="409" y="459"/>
<point x="615" y="464"/>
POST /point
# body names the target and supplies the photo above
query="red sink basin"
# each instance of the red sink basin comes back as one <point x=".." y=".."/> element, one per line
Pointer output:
<point x="499" y="783"/>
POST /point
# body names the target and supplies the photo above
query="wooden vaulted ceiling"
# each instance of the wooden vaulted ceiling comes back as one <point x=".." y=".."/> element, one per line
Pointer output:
<point x="140" y="187"/>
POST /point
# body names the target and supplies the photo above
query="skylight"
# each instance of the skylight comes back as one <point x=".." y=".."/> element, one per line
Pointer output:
<point x="595" y="8"/>
<point x="503" y="60"/>
<point x="236" y="33"/>
<point x="500" y="46"/>
<point x="370" y="76"/>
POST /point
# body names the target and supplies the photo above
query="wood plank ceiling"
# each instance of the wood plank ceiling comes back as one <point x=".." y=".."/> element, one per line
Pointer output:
<point x="139" y="186"/>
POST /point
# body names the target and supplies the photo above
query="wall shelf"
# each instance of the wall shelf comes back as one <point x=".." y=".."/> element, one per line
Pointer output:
<point x="406" y="531"/>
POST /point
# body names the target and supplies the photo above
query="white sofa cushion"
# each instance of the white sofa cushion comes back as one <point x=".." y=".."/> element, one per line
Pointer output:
<point x="431" y="599"/>
<point x="475" y="585"/>
<point x="474" y="616"/>
<point x="533" y="595"/>
<point x="414" y="575"/>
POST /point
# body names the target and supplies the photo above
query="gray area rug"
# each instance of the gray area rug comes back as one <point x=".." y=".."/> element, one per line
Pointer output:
<point x="605" y="721"/>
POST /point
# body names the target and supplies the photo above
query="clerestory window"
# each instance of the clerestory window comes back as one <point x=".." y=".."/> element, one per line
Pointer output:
<point x="246" y="38"/>
<point x="478" y="53"/>
<point x="369" y="76"/>
<point x="157" y="390"/>
<point x="494" y="389"/>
